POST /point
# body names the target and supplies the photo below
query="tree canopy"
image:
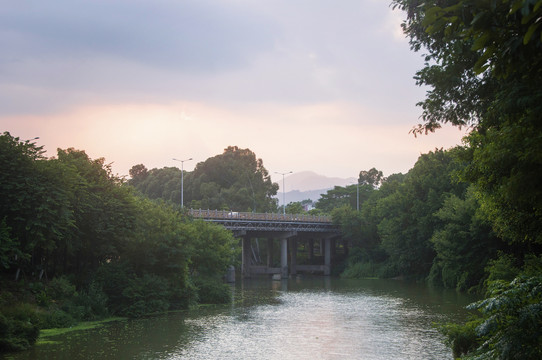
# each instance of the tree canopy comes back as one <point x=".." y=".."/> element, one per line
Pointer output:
<point x="234" y="180"/>
<point x="484" y="70"/>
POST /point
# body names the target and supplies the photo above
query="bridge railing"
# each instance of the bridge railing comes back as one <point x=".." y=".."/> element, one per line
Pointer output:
<point x="225" y="214"/>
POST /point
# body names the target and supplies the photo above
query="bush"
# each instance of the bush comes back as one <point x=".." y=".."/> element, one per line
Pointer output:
<point x="113" y="279"/>
<point x="56" y="319"/>
<point x="502" y="268"/>
<point x="146" y="295"/>
<point x="91" y="304"/>
<point x="461" y="338"/>
<point x="61" y="288"/>
<point x="19" y="328"/>
<point x="212" y="291"/>
<point x="360" y="270"/>
<point x="182" y="297"/>
<point x="512" y="326"/>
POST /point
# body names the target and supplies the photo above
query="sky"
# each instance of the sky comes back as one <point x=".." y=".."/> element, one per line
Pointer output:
<point x="307" y="85"/>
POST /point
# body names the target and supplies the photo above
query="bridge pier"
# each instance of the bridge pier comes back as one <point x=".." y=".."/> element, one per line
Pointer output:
<point x="284" y="258"/>
<point x="310" y="246"/>
<point x="269" y="252"/>
<point x="293" y="257"/>
<point x="284" y="253"/>
<point x="327" y="257"/>
<point x="245" y="256"/>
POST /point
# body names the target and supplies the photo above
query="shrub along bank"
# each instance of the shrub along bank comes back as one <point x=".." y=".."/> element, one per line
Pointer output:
<point x="77" y="244"/>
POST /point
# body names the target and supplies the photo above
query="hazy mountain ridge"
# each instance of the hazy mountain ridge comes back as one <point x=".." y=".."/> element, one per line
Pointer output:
<point x="309" y="185"/>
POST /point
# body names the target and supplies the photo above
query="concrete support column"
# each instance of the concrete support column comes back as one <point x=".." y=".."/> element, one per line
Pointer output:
<point x="327" y="257"/>
<point x="311" y="250"/>
<point x="245" y="257"/>
<point x="321" y="247"/>
<point x="293" y="257"/>
<point x="269" y="252"/>
<point x="284" y="258"/>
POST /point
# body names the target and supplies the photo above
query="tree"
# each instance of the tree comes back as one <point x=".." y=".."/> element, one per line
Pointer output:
<point x="295" y="208"/>
<point x="103" y="212"/>
<point x="407" y="220"/>
<point x="235" y="180"/>
<point x="372" y="177"/>
<point x="34" y="203"/>
<point x="464" y="244"/>
<point x="484" y="69"/>
<point x="138" y="173"/>
<point x="162" y="183"/>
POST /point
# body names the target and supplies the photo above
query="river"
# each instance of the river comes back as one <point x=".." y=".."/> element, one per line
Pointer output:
<point x="303" y="318"/>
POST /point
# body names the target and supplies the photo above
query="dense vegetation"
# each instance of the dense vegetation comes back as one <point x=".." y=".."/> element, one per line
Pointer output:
<point x="471" y="217"/>
<point x="77" y="243"/>
<point x="234" y="180"/>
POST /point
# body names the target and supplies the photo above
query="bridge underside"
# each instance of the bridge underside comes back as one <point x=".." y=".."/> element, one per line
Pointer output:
<point x="306" y="244"/>
<point x="297" y="253"/>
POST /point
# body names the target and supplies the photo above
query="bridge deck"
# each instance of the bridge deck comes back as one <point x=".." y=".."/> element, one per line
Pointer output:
<point x="232" y="215"/>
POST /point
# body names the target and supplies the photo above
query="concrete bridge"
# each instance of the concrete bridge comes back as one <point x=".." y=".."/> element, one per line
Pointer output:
<point x="313" y="236"/>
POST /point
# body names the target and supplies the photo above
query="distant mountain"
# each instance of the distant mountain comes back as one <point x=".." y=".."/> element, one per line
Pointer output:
<point x="309" y="185"/>
<point x="309" y="180"/>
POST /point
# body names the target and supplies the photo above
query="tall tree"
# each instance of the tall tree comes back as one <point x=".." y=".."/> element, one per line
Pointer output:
<point x="372" y="177"/>
<point x="164" y="183"/>
<point x="484" y="69"/>
<point x="407" y="214"/>
<point x="235" y="180"/>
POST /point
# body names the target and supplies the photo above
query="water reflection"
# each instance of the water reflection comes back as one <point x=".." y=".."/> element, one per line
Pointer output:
<point x="301" y="318"/>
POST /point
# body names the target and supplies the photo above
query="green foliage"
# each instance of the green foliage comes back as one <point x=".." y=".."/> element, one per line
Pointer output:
<point x="407" y="220"/>
<point x="512" y="320"/>
<point x="484" y="68"/>
<point x="145" y="295"/>
<point x="212" y="290"/>
<point x="464" y="244"/>
<point x="113" y="278"/>
<point x="505" y="164"/>
<point x="360" y="270"/>
<point x="56" y="318"/>
<point x="19" y="327"/>
<point x="213" y="250"/>
<point x="9" y="250"/>
<point x="462" y="339"/>
<point x="373" y="177"/>
<point x="235" y="180"/>
<point x="61" y="288"/>
<point x="162" y="183"/>
<point x="344" y="196"/>
<point x="502" y="268"/>
<point x="295" y="208"/>
<point x="106" y="249"/>
<point x="509" y="320"/>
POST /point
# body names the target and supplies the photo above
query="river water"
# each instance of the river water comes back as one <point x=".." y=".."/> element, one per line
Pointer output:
<point x="302" y="318"/>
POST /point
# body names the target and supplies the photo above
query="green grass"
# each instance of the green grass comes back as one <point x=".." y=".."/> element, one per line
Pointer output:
<point x="46" y="333"/>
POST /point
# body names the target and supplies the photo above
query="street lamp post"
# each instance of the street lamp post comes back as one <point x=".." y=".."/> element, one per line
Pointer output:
<point x="182" y="180"/>
<point x="283" y="191"/>
<point x="358" y="197"/>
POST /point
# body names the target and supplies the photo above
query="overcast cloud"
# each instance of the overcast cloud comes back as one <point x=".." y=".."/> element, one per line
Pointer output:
<point x="72" y="66"/>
